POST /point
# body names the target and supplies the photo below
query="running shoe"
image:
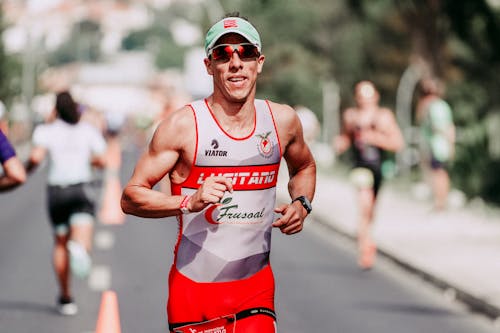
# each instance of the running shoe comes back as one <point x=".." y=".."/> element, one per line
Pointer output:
<point x="66" y="306"/>
<point x="80" y="261"/>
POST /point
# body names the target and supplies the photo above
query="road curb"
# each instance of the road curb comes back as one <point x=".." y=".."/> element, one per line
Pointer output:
<point x="474" y="303"/>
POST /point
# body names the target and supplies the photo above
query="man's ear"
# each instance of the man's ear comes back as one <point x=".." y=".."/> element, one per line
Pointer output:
<point x="260" y="63"/>
<point x="208" y="66"/>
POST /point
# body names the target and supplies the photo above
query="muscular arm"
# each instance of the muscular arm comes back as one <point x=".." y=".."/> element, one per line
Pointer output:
<point x="301" y="168"/>
<point x="158" y="160"/>
<point x="169" y="153"/>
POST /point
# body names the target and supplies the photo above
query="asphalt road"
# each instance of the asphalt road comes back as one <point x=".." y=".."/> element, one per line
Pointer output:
<point x="319" y="287"/>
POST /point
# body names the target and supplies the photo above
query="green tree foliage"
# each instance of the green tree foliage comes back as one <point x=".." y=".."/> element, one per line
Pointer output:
<point x="159" y="41"/>
<point x="10" y="71"/>
<point x="83" y="45"/>
<point x="306" y="43"/>
<point x="459" y="42"/>
<point x="294" y="67"/>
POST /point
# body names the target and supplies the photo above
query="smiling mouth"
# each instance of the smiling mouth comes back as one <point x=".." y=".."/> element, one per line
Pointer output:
<point x="236" y="79"/>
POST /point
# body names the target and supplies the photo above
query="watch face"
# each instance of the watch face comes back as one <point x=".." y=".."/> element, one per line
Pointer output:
<point x="305" y="203"/>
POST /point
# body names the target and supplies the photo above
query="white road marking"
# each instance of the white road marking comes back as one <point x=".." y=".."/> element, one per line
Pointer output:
<point x="100" y="278"/>
<point x="104" y="240"/>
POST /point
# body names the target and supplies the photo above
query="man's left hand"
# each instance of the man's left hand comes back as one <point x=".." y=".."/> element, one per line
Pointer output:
<point x="291" y="220"/>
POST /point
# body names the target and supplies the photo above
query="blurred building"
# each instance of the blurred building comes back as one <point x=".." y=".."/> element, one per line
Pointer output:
<point x="51" y="21"/>
<point x="126" y="83"/>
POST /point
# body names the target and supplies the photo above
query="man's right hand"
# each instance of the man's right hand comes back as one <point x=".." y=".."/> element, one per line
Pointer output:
<point x="210" y="192"/>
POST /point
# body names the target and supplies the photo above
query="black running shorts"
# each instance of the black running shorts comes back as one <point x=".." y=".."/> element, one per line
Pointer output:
<point x="64" y="201"/>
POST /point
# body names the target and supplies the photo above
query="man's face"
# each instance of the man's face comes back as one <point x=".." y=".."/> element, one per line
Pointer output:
<point x="234" y="75"/>
<point x="366" y="95"/>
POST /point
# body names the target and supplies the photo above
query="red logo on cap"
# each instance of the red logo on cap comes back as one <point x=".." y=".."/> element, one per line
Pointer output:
<point x="230" y="24"/>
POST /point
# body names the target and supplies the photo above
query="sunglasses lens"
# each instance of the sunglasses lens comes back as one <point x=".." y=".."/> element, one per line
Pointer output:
<point x="224" y="52"/>
<point x="248" y="51"/>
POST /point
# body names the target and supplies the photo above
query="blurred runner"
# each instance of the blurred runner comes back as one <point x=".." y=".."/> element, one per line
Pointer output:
<point x="14" y="173"/>
<point x="438" y="132"/>
<point x="369" y="129"/>
<point x="73" y="148"/>
<point x="310" y="124"/>
<point x="223" y="154"/>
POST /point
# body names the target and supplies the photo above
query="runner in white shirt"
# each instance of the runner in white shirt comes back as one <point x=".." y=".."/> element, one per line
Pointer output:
<point x="73" y="148"/>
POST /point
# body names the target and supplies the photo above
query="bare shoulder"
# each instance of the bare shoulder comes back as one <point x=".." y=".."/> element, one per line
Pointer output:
<point x="386" y="115"/>
<point x="386" y="111"/>
<point x="350" y="112"/>
<point x="287" y="123"/>
<point x="283" y="114"/>
<point x="167" y="133"/>
<point x="349" y="116"/>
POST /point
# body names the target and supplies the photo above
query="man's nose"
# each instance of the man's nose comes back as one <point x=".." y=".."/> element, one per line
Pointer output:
<point x="235" y="58"/>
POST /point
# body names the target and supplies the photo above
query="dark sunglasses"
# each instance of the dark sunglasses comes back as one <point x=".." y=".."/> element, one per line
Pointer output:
<point x="224" y="52"/>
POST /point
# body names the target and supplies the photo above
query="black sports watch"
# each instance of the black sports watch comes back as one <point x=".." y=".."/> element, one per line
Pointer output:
<point x="305" y="203"/>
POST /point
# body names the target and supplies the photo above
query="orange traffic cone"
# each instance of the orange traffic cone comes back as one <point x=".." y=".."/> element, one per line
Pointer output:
<point x="111" y="211"/>
<point x="108" y="320"/>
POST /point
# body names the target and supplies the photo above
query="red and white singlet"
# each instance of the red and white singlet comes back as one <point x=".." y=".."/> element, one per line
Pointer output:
<point x="230" y="241"/>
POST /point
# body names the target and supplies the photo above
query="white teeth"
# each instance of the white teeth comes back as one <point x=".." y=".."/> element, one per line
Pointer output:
<point x="236" y="79"/>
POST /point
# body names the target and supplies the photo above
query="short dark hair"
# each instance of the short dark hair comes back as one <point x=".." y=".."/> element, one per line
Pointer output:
<point x="236" y="14"/>
<point x="67" y="108"/>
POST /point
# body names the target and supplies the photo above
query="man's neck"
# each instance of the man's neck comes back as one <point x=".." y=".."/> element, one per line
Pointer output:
<point x="236" y="118"/>
<point x="368" y="109"/>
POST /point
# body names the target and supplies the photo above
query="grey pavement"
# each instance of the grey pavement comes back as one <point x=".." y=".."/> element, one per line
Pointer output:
<point x="457" y="250"/>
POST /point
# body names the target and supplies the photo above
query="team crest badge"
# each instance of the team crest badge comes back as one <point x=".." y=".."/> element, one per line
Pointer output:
<point x="265" y="146"/>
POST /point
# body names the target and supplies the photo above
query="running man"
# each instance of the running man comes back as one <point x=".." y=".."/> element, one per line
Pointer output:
<point x="73" y="147"/>
<point x="222" y="155"/>
<point x="370" y="130"/>
<point x="14" y="173"/>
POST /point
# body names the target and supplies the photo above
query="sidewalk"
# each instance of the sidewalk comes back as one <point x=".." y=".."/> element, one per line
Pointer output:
<point x="457" y="250"/>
